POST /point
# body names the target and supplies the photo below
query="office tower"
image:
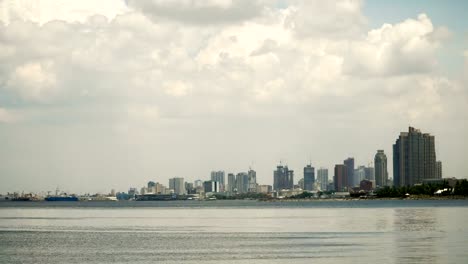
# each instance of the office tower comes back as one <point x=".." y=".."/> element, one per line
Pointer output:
<point x="381" y="173"/>
<point x="322" y="179"/>
<point x="414" y="158"/>
<point x="359" y="175"/>
<point x="283" y="178"/>
<point x="231" y="188"/>
<point x="349" y="163"/>
<point x="189" y="188"/>
<point x="370" y="173"/>
<point x="177" y="184"/>
<point x="309" y="177"/>
<point x="211" y="186"/>
<point x="340" y="178"/>
<point x="438" y="170"/>
<point x="219" y="177"/>
<point x="242" y="182"/>
<point x="252" y="181"/>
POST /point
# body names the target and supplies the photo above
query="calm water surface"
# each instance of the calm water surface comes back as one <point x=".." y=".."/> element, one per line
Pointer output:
<point x="235" y="232"/>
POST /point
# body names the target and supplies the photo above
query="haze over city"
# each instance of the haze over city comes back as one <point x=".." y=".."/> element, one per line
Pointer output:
<point x="100" y="95"/>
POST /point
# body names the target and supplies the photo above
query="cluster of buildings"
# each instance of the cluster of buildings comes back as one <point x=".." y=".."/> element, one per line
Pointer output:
<point x="414" y="162"/>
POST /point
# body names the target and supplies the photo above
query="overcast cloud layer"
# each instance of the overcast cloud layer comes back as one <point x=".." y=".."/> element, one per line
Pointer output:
<point x="97" y="95"/>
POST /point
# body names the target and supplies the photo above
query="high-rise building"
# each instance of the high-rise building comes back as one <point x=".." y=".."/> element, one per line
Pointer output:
<point x="340" y="178"/>
<point x="370" y="173"/>
<point x="177" y="184"/>
<point x="439" y="170"/>
<point x="309" y="178"/>
<point x="322" y="179"/>
<point x="349" y="162"/>
<point x="242" y="182"/>
<point x="211" y="186"/>
<point x="414" y="158"/>
<point x="231" y="187"/>
<point x="219" y="177"/>
<point x="283" y="178"/>
<point x="151" y="184"/>
<point x="381" y="173"/>
<point x="197" y="183"/>
<point x="359" y="175"/>
<point x="252" y="181"/>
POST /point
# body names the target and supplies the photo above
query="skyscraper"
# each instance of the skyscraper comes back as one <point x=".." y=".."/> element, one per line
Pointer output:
<point x="381" y="173"/>
<point x="211" y="186"/>
<point x="177" y="184"/>
<point x="231" y="183"/>
<point x="349" y="162"/>
<point x="414" y="158"/>
<point x="242" y="182"/>
<point x="219" y="177"/>
<point x="340" y="178"/>
<point x="283" y="178"/>
<point x="309" y="177"/>
<point x="439" y="170"/>
<point x="359" y="175"/>
<point x="322" y="178"/>
<point x="252" y="181"/>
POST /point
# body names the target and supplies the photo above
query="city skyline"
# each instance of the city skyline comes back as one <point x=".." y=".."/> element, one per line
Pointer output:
<point x="99" y="95"/>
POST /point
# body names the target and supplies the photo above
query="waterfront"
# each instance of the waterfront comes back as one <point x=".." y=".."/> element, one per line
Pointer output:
<point x="235" y="232"/>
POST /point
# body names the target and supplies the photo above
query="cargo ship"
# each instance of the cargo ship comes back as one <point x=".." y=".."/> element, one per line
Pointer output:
<point x="62" y="198"/>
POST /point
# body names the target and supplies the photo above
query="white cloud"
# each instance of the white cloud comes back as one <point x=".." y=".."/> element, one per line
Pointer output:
<point x="177" y="88"/>
<point x="34" y="81"/>
<point x="198" y="12"/>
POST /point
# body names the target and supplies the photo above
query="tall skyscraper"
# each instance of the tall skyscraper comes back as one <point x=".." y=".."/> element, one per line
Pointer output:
<point x="414" y="158"/>
<point x="219" y="177"/>
<point x="252" y="181"/>
<point x="242" y="182"/>
<point x="309" y="177"/>
<point x="231" y="186"/>
<point x="177" y="184"/>
<point x="349" y="162"/>
<point x="322" y="178"/>
<point x="340" y="178"/>
<point x="381" y="173"/>
<point x="283" y="178"/>
<point x="439" y="170"/>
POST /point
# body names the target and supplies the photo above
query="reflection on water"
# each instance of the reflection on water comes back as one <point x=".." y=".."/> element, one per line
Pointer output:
<point x="234" y="235"/>
<point x="418" y="235"/>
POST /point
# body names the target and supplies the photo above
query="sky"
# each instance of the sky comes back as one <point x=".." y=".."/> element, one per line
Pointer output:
<point x="101" y="95"/>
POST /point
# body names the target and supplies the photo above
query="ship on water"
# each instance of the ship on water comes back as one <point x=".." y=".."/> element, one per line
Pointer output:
<point x="62" y="197"/>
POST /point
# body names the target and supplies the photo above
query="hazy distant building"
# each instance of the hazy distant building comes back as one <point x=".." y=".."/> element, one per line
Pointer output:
<point x="197" y="184"/>
<point x="340" y="179"/>
<point x="231" y="186"/>
<point x="309" y="178"/>
<point x="359" y="175"/>
<point x="219" y="177"/>
<point x="370" y="173"/>
<point x="283" y="178"/>
<point x="414" y="158"/>
<point x="264" y="188"/>
<point x="151" y="184"/>
<point x="349" y="163"/>
<point x="242" y="182"/>
<point x="300" y="184"/>
<point x="380" y="164"/>
<point x="177" y="184"/>
<point x="322" y="179"/>
<point x="189" y="188"/>
<point x="252" y="181"/>
<point x="439" y="170"/>
<point x="211" y="186"/>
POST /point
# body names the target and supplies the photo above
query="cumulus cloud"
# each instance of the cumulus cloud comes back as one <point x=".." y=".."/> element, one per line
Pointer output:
<point x="198" y="12"/>
<point x="404" y="48"/>
<point x="162" y="68"/>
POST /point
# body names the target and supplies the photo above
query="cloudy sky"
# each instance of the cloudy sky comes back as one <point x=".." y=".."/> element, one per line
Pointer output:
<point x="108" y="94"/>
